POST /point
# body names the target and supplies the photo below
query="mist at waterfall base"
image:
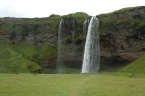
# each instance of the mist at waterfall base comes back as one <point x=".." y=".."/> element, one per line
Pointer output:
<point x="91" y="59"/>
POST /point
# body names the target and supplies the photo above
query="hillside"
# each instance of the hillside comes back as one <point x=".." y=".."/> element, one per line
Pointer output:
<point x="13" y="62"/>
<point x="122" y="35"/>
<point x="138" y="66"/>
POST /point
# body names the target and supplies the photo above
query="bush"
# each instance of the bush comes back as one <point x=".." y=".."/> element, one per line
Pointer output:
<point x="48" y="52"/>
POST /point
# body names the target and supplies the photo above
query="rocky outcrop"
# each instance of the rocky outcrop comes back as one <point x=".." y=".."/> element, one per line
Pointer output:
<point x="122" y="35"/>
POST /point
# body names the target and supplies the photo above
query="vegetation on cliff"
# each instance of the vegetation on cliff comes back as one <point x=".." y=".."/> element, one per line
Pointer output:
<point x="132" y="17"/>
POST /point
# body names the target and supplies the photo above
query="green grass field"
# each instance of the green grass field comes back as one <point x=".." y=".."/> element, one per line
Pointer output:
<point x="138" y="66"/>
<point x="101" y="84"/>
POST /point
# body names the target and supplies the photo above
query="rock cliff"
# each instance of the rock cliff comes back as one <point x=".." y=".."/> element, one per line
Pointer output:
<point x="122" y="35"/>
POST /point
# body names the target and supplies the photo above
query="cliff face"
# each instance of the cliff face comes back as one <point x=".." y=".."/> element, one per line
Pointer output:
<point x="122" y="35"/>
<point x="38" y="31"/>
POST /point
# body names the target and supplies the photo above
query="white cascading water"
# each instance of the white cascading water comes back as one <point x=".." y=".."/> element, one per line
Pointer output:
<point x="60" y="42"/>
<point x="91" y="59"/>
<point x="73" y="36"/>
<point x="85" y="29"/>
<point x="73" y="32"/>
<point x="85" y="26"/>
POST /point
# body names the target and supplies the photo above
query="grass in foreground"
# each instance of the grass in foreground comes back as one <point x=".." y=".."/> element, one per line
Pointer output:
<point x="71" y="85"/>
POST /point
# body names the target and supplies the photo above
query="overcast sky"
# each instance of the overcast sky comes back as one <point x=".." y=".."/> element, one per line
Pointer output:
<point x="44" y="8"/>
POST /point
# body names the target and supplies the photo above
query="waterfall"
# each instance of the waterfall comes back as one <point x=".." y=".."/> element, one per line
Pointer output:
<point x="91" y="59"/>
<point x="85" y="26"/>
<point x="60" y="42"/>
<point x="73" y="36"/>
<point x="73" y="31"/>
<point x="85" y="29"/>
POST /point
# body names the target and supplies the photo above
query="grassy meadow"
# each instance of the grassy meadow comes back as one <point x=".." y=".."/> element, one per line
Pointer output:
<point x="129" y="81"/>
<point x="101" y="84"/>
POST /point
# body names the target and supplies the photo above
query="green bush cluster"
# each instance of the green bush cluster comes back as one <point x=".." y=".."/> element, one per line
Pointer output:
<point x="138" y="24"/>
<point x="48" y="52"/>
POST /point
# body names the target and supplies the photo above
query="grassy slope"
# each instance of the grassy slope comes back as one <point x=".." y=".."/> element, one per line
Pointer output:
<point x="137" y="66"/>
<point x="11" y="61"/>
<point x="71" y="85"/>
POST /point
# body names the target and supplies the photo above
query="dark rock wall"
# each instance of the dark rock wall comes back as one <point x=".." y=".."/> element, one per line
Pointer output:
<point x="122" y="36"/>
